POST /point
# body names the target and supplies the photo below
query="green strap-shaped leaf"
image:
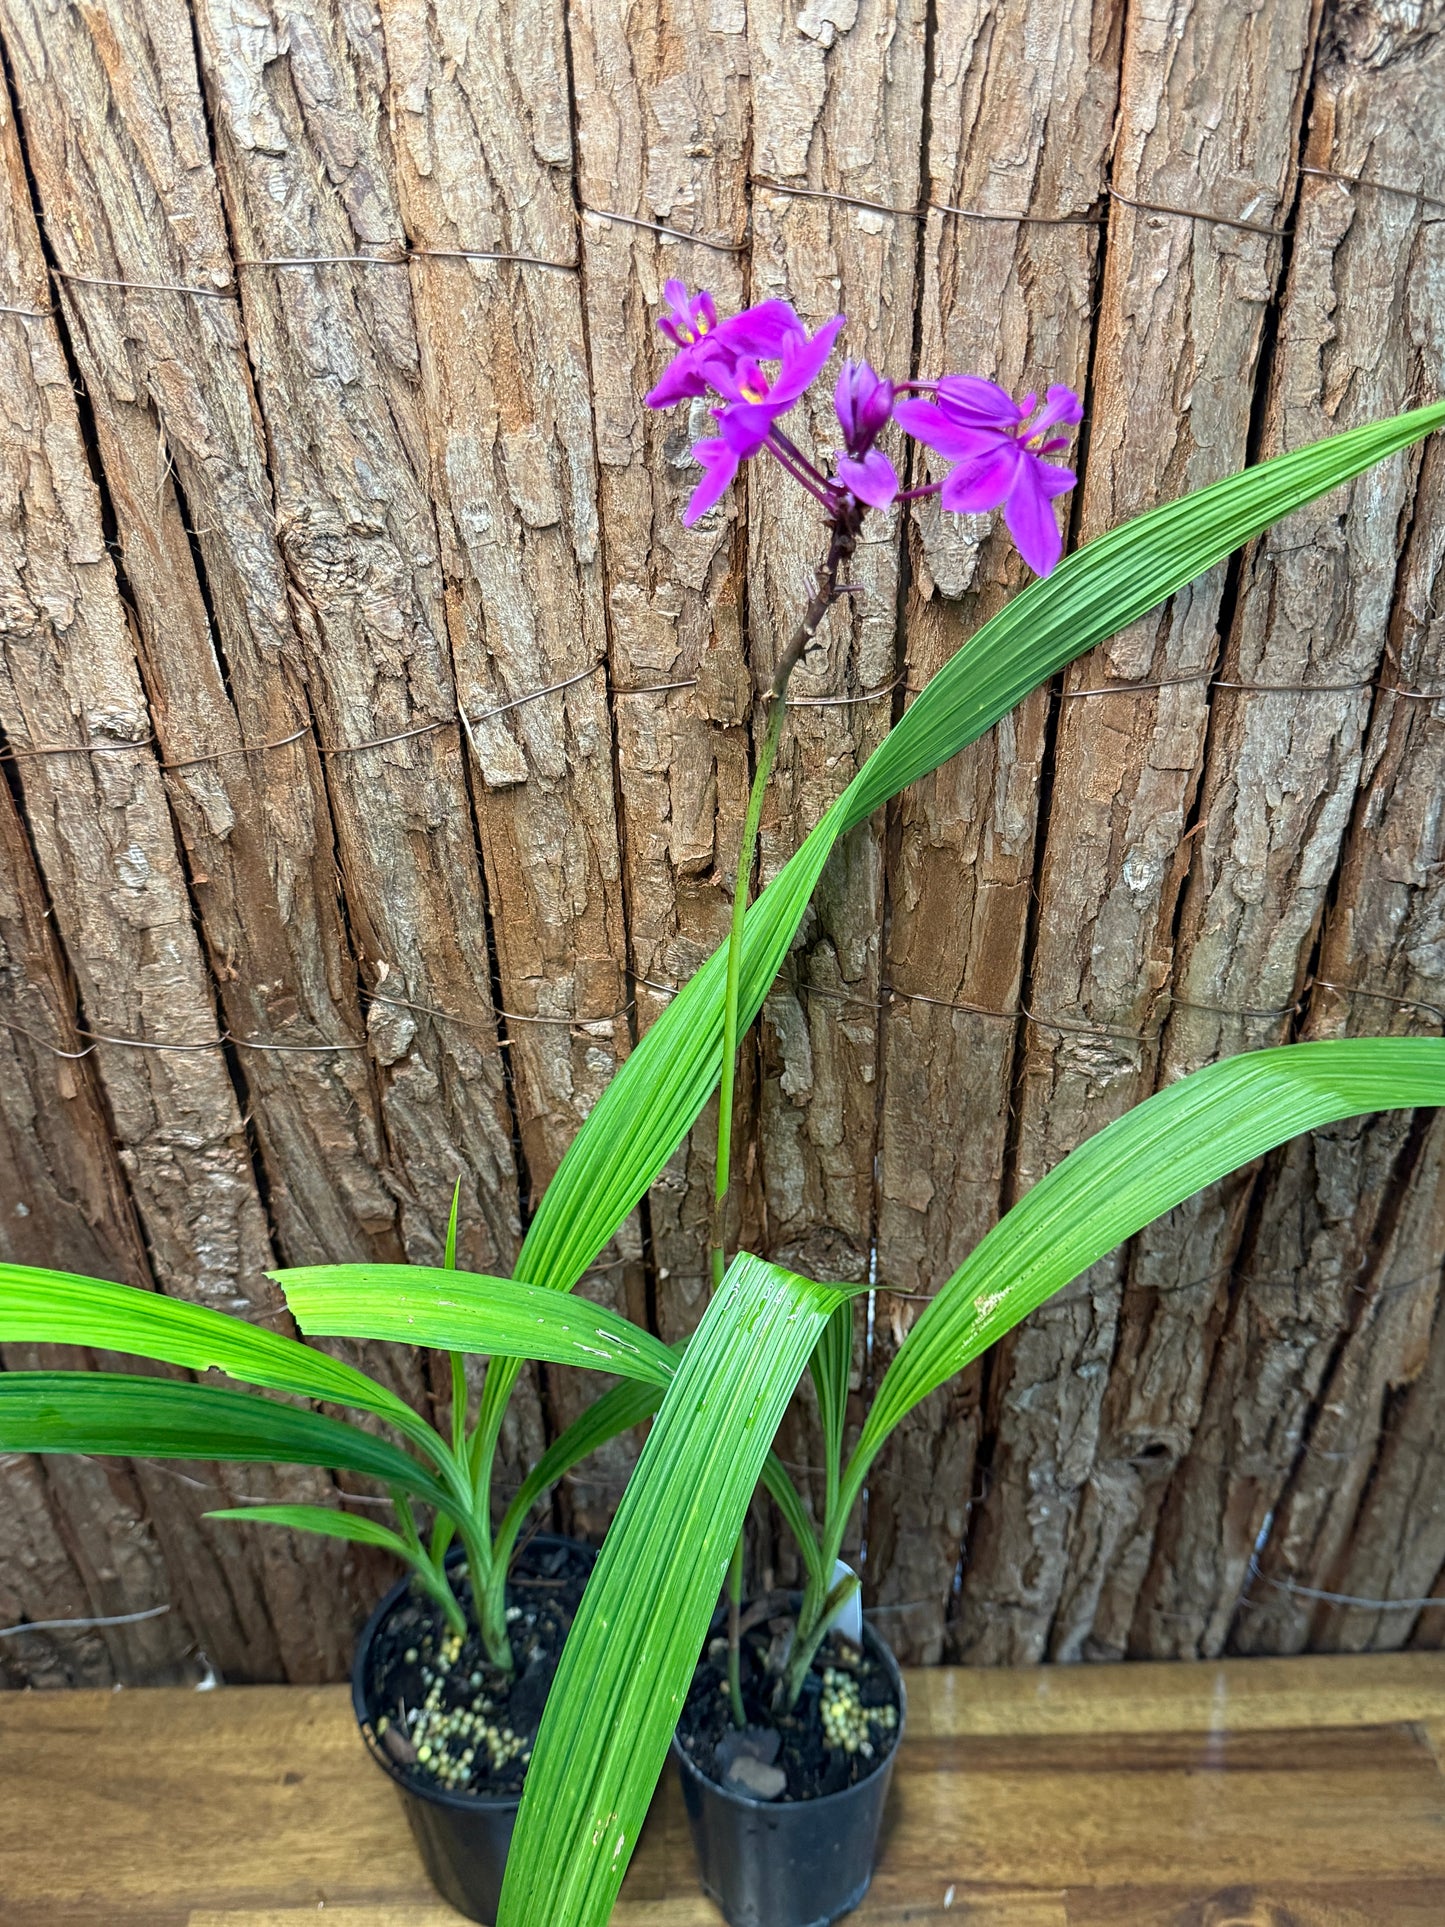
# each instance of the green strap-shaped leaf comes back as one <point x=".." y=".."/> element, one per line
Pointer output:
<point x="57" y="1308"/>
<point x="162" y="1418"/>
<point x="322" y="1519"/>
<point x="789" y="1501"/>
<point x="634" y="1644"/>
<point x="831" y="1366"/>
<point x="1142" y="1165"/>
<point x="470" y="1312"/>
<point x="616" y="1411"/>
<point x="653" y="1100"/>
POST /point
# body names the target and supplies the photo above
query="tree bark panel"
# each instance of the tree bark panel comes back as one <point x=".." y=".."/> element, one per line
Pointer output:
<point x="663" y="112"/>
<point x="1020" y="112"/>
<point x="1210" y="103"/>
<point x="1358" y="334"/>
<point x="837" y="110"/>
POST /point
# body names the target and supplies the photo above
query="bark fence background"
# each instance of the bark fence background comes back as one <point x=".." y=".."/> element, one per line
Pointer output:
<point x="323" y="331"/>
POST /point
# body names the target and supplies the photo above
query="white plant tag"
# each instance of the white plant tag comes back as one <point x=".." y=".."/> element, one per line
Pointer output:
<point x="848" y="1620"/>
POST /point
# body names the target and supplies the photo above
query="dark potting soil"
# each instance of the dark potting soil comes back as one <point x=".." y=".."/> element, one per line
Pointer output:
<point x="447" y="1717"/>
<point x="845" y="1680"/>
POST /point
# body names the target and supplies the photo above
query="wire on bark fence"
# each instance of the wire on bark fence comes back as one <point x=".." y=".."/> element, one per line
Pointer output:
<point x="13" y="753"/>
<point x="892" y="995"/>
<point x="470" y="722"/>
<point x="401" y="256"/>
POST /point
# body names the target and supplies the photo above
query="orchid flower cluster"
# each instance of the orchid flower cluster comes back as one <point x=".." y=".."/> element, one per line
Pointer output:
<point x="759" y="363"/>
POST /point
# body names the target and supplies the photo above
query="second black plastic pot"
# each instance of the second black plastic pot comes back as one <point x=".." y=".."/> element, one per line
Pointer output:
<point x="462" y="1837"/>
<point x="796" y="1863"/>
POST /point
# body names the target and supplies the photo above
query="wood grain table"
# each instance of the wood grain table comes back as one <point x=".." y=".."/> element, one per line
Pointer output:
<point x="1253" y="1793"/>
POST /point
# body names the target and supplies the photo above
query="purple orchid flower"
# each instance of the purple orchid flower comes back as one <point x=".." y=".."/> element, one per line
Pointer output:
<point x="690" y="317"/>
<point x="874" y="480"/>
<point x="691" y="322"/>
<point x="999" y="456"/>
<point x="863" y="401"/>
<point x="727" y="357"/>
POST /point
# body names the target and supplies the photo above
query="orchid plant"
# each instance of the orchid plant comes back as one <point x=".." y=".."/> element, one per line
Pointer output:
<point x="632" y="1650"/>
<point x="423" y="1469"/>
<point x="1000" y="453"/>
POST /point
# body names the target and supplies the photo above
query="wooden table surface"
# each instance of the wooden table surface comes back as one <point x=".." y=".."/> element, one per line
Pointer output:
<point x="1254" y="1793"/>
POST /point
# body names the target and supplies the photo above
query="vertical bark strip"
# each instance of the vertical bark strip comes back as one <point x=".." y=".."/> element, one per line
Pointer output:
<point x="107" y="850"/>
<point x="484" y="156"/>
<point x="76" y="1542"/>
<point x="1359" y="336"/>
<point x="663" y="113"/>
<point x="117" y="140"/>
<point x="39" y="1581"/>
<point x="1020" y="113"/>
<point x="481" y="119"/>
<point x="837" y="109"/>
<point x="1362" y="1515"/>
<point x="1211" y="98"/>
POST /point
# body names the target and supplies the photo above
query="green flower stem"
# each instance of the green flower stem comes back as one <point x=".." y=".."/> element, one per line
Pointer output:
<point x="728" y="1083"/>
<point x="841" y="542"/>
<point x="459" y="1403"/>
<point x="841" y="539"/>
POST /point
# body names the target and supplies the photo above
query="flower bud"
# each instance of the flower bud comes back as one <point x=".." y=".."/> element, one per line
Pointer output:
<point x="864" y="402"/>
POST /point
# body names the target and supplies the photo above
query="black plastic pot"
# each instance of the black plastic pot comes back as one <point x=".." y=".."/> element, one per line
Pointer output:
<point x="796" y="1863"/>
<point x="462" y="1837"/>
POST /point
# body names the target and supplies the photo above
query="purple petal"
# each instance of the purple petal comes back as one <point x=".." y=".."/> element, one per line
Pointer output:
<point x="687" y="317"/>
<point x="984" y="480"/>
<point x="926" y="422"/>
<point x="1050" y="477"/>
<point x="874" y="480"/>
<point x="746" y="425"/>
<point x="682" y="379"/>
<point x="719" y="465"/>
<point x="1063" y="406"/>
<point x="761" y="330"/>
<point x="737" y="378"/>
<point x="862" y="401"/>
<point x="1030" y="517"/>
<point x="802" y="362"/>
<point x="976" y="403"/>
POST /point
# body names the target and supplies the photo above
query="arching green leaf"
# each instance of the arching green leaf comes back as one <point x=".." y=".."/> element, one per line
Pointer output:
<point x="633" y="1647"/>
<point x="653" y="1100"/>
<point x="57" y="1308"/>
<point x="162" y="1418"/>
<point x="468" y="1311"/>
